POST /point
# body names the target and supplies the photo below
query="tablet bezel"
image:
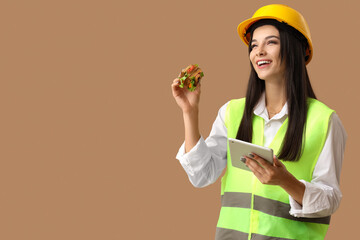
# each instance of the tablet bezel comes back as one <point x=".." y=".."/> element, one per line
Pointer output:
<point x="240" y="148"/>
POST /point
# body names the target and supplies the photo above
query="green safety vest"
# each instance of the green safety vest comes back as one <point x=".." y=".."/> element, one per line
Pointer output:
<point x="252" y="210"/>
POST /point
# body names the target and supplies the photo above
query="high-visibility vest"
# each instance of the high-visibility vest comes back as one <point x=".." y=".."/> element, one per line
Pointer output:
<point x="252" y="210"/>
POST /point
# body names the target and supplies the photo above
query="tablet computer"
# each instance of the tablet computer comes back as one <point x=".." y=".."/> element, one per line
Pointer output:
<point x="240" y="148"/>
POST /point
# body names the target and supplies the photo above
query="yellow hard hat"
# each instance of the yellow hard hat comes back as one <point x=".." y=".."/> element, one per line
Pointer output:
<point x="281" y="13"/>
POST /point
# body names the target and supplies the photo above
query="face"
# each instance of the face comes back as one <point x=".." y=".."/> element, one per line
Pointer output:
<point x="265" y="54"/>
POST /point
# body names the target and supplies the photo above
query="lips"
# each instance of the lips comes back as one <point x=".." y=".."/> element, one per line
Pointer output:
<point x="262" y="63"/>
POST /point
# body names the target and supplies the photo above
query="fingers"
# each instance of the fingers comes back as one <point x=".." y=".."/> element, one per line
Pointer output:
<point x="198" y="88"/>
<point x="260" y="160"/>
<point x="175" y="83"/>
<point x="267" y="173"/>
<point x="175" y="88"/>
<point x="254" y="166"/>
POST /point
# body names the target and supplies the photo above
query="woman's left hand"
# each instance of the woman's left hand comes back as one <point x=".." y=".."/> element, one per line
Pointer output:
<point x="276" y="174"/>
<point x="267" y="173"/>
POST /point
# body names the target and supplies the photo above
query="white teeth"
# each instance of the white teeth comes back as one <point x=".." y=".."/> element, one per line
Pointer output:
<point x="262" y="62"/>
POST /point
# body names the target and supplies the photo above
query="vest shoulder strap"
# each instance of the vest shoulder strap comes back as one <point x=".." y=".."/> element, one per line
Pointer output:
<point x="235" y="108"/>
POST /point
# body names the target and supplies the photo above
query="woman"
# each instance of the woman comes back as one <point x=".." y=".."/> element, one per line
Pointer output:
<point x="294" y="197"/>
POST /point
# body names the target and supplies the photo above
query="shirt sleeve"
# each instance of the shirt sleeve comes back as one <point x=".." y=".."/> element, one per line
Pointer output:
<point x="205" y="162"/>
<point x="322" y="195"/>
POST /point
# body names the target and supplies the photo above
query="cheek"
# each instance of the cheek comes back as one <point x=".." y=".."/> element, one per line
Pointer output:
<point x="251" y="57"/>
<point x="278" y="54"/>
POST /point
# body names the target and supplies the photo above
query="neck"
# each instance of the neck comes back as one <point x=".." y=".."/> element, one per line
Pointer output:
<point x="275" y="95"/>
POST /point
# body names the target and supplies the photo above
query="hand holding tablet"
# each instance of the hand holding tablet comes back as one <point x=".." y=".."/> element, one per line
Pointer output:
<point x="239" y="148"/>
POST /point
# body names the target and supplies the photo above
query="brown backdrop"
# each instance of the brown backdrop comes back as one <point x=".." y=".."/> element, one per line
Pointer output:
<point x="89" y="129"/>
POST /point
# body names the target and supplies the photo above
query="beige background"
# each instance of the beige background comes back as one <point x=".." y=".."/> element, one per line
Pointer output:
<point x="89" y="129"/>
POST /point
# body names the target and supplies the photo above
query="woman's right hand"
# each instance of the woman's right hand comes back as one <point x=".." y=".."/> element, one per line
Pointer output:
<point x="188" y="101"/>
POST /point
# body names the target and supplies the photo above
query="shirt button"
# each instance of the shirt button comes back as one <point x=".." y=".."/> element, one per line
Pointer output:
<point x="268" y="124"/>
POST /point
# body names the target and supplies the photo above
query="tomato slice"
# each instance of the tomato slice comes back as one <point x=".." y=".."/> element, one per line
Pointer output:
<point x="191" y="68"/>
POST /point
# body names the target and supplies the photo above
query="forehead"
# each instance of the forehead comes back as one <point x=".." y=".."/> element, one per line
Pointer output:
<point x="264" y="31"/>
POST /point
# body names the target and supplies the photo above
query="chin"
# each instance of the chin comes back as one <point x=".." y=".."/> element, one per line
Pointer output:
<point x="262" y="76"/>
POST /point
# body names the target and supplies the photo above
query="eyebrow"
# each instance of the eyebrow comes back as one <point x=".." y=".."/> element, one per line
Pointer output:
<point x="271" y="36"/>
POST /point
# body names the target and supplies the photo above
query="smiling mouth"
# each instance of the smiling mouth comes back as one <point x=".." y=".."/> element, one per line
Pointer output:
<point x="263" y="63"/>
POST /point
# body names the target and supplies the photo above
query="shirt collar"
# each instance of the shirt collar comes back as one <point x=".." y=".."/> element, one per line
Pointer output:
<point x="261" y="111"/>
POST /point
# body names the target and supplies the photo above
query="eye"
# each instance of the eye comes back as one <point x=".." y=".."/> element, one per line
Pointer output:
<point x="253" y="45"/>
<point x="272" y="42"/>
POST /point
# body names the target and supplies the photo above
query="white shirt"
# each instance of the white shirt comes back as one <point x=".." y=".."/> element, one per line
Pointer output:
<point x="205" y="162"/>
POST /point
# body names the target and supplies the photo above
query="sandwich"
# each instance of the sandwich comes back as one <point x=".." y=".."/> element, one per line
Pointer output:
<point x="190" y="77"/>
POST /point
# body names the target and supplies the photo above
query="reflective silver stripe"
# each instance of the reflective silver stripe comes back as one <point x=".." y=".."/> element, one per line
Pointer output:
<point x="280" y="209"/>
<point x="265" y="205"/>
<point x="236" y="199"/>
<point x="255" y="236"/>
<point x="229" y="234"/>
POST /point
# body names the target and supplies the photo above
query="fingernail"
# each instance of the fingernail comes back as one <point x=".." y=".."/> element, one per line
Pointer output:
<point x="243" y="159"/>
<point x="251" y="155"/>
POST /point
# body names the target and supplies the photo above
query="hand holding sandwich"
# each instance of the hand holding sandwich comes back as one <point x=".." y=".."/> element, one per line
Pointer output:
<point x="186" y="88"/>
<point x="186" y="91"/>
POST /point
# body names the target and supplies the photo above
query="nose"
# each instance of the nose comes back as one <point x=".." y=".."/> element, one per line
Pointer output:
<point x="260" y="51"/>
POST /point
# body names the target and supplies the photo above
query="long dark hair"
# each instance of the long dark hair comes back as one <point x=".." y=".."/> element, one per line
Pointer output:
<point x="298" y="88"/>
